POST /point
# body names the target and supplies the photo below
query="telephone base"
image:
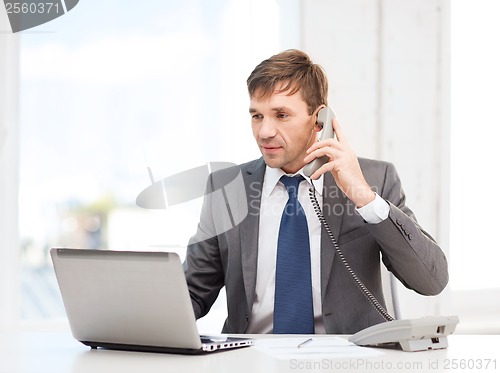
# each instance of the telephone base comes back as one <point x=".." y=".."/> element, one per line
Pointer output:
<point x="426" y="333"/>
<point x="412" y="345"/>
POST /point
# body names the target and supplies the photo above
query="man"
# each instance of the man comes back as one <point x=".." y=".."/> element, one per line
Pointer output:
<point x="362" y="201"/>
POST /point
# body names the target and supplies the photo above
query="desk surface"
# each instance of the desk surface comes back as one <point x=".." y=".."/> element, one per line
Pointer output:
<point x="55" y="352"/>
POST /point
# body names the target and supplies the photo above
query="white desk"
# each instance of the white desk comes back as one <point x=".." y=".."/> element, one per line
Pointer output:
<point x="56" y="352"/>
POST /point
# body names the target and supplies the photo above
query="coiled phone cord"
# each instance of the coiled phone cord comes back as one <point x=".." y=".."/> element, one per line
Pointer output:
<point x="373" y="301"/>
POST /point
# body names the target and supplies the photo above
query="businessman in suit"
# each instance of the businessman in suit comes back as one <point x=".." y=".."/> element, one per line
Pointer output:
<point x="362" y="201"/>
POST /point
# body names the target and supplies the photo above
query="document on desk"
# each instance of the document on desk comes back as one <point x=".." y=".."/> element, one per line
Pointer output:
<point x="315" y="347"/>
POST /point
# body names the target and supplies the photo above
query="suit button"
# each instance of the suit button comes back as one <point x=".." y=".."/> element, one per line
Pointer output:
<point x="410" y="236"/>
<point x="398" y="222"/>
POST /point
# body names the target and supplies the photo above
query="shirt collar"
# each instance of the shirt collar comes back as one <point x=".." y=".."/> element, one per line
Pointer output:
<point x="273" y="175"/>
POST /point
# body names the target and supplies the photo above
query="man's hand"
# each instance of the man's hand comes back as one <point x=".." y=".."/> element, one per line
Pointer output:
<point x="343" y="165"/>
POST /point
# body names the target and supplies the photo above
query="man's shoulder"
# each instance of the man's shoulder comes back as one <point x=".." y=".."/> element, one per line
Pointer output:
<point x="377" y="172"/>
<point x="253" y="165"/>
<point x="229" y="173"/>
<point x="369" y="163"/>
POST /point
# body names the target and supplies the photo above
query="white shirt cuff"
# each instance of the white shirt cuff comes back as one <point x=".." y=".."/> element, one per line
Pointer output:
<point x="376" y="211"/>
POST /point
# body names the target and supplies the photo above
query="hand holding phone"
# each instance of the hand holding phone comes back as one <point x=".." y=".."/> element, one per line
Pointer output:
<point x="325" y="117"/>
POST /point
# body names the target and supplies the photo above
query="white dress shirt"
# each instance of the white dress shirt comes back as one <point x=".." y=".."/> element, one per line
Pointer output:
<point x="273" y="201"/>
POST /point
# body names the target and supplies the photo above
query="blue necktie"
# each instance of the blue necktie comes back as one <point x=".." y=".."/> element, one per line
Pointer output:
<point x="293" y="306"/>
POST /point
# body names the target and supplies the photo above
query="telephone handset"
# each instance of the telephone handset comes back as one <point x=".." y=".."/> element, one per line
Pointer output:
<point x="427" y="333"/>
<point x="325" y="117"/>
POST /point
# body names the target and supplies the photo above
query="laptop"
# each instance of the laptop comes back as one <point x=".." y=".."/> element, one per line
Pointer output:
<point x="130" y="300"/>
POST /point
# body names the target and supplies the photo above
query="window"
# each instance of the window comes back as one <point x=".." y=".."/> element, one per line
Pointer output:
<point x="111" y="89"/>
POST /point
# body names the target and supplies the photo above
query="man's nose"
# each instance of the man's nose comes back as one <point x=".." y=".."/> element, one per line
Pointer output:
<point x="267" y="128"/>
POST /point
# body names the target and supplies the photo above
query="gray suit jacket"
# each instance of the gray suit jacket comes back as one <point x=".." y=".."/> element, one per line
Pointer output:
<point x="224" y="250"/>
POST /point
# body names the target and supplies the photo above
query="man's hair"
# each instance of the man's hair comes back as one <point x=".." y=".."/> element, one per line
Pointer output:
<point x="295" y="70"/>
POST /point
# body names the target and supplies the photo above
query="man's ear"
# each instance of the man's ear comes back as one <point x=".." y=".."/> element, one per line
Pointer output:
<point x="317" y="127"/>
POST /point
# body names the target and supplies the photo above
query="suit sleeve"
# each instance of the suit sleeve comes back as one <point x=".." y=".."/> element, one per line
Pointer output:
<point x="408" y="251"/>
<point x="203" y="265"/>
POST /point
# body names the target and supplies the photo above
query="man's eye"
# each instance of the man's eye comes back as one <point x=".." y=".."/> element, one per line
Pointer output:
<point x="257" y="117"/>
<point x="282" y="115"/>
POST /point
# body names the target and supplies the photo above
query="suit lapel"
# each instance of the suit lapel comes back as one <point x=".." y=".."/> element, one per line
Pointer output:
<point x="253" y="177"/>
<point x="334" y="206"/>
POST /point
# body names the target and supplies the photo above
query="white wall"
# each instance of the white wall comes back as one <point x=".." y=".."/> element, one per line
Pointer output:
<point x="387" y="65"/>
<point x="9" y="248"/>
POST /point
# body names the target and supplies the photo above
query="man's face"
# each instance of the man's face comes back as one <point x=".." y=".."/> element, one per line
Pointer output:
<point x="283" y="129"/>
